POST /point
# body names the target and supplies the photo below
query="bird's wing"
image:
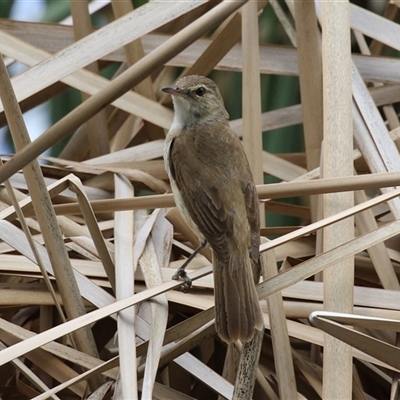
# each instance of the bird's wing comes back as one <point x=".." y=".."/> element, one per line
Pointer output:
<point x="202" y="199"/>
<point x="253" y="216"/>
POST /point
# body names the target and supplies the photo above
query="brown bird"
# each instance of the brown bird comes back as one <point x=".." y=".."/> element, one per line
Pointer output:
<point x="214" y="191"/>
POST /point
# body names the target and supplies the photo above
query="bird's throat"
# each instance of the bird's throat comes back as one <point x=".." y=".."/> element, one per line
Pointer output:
<point x="183" y="116"/>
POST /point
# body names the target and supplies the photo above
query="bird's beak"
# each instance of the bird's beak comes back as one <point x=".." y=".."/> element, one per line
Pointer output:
<point x="174" y="90"/>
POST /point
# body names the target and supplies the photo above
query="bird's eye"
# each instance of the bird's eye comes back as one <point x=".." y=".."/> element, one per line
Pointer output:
<point x="200" y="91"/>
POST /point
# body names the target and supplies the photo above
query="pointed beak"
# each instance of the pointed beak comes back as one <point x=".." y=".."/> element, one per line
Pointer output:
<point x="174" y="90"/>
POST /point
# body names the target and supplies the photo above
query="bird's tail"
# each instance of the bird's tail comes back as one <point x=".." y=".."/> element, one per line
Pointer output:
<point x="237" y="309"/>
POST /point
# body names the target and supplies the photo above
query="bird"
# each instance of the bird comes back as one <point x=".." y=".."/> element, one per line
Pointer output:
<point x="214" y="191"/>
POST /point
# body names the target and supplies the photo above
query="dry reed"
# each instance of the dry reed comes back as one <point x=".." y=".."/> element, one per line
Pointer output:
<point x="89" y="244"/>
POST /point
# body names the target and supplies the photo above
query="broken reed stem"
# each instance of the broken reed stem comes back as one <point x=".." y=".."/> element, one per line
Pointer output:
<point x="310" y="78"/>
<point x="337" y="161"/>
<point x="251" y="95"/>
<point x="266" y="288"/>
<point x="378" y="254"/>
<point x="96" y="127"/>
<point x="47" y="219"/>
<point x="246" y="376"/>
<point x="279" y="333"/>
<point x="221" y="44"/>
<point x="33" y="247"/>
<point x="329" y="220"/>
<point x="134" y="51"/>
<point x="58" y="331"/>
<point x="270" y="191"/>
<point x="120" y="85"/>
<point x="310" y="75"/>
<point x="326" y="260"/>
<point x="125" y="283"/>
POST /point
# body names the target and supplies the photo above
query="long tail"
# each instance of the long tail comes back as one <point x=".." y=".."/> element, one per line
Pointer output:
<point x="237" y="309"/>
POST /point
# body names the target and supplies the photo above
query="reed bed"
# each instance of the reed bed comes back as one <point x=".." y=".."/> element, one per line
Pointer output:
<point x="90" y="237"/>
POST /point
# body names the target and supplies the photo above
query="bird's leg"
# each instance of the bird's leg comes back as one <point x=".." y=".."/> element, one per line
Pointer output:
<point x="181" y="273"/>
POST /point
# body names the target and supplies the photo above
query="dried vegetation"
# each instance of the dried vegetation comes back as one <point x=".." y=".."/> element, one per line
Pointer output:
<point x="89" y="245"/>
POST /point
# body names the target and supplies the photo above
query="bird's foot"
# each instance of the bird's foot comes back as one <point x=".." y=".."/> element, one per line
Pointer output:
<point x="181" y="274"/>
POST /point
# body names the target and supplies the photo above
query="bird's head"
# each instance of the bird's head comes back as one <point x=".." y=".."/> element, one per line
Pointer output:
<point x="197" y="100"/>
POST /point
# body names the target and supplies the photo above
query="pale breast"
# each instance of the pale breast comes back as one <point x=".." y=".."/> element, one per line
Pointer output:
<point x="176" y="192"/>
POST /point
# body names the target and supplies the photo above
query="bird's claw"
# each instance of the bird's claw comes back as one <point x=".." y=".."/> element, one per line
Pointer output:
<point x="181" y="273"/>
